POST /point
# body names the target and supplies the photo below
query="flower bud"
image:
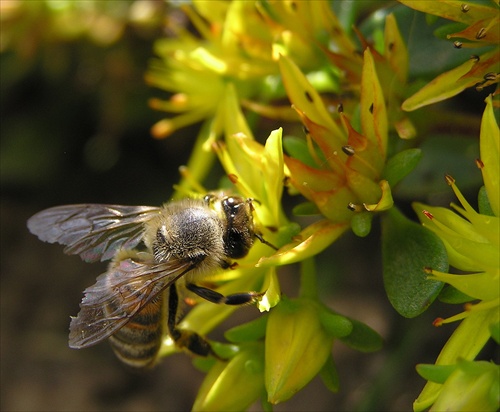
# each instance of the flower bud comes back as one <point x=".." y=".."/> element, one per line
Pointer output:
<point x="297" y="347"/>
<point x="473" y="386"/>
<point x="233" y="385"/>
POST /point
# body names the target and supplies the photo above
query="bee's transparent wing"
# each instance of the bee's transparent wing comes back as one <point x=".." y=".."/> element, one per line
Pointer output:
<point x="118" y="295"/>
<point x="93" y="231"/>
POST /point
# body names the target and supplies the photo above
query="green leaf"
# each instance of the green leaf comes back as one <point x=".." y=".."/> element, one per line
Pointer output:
<point x="435" y="373"/>
<point x="306" y="209"/>
<point x="330" y="376"/>
<point x="400" y="165"/>
<point x="449" y="28"/>
<point x="363" y="338"/>
<point x="451" y="295"/>
<point x="335" y="325"/>
<point x="407" y="248"/>
<point x="248" y="332"/>
<point x="484" y="203"/>
<point x="297" y="148"/>
<point x="459" y="162"/>
<point x="495" y="331"/>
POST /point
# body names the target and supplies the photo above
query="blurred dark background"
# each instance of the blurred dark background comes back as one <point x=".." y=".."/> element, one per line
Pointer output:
<point x="75" y="129"/>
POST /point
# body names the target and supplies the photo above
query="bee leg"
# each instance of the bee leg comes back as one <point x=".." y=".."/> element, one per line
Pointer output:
<point x="185" y="338"/>
<point x="216" y="297"/>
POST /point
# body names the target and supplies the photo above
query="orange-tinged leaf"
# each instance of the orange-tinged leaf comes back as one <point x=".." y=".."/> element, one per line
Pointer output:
<point x="329" y="144"/>
<point x="349" y="64"/>
<point x="452" y="9"/>
<point x="488" y="31"/>
<point x="373" y="110"/>
<point x="310" y="178"/>
<point x="395" y="49"/>
<point x="304" y="97"/>
<point x="488" y="62"/>
<point x="334" y="203"/>
<point x="442" y="87"/>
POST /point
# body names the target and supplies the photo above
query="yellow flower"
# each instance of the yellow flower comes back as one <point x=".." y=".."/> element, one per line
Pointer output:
<point x="349" y="168"/>
<point x="472" y="241"/>
<point x="238" y="45"/>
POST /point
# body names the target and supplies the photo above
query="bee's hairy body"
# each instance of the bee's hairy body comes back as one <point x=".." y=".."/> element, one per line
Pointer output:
<point x="135" y="303"/>
<point x="188" y="230"/>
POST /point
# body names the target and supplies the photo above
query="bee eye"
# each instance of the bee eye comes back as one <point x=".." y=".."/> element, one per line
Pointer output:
<point x="231" y="206"/>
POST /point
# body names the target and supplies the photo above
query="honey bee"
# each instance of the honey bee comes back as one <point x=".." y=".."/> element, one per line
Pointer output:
<point x="135" y="302"/>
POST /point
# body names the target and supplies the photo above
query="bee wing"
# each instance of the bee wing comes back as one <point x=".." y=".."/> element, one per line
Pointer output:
<point x="118" y="295"/>
<point x="93" y="231"/>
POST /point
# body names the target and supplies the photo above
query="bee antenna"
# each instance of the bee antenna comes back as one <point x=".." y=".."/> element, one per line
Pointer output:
<point x="265" y="242"/>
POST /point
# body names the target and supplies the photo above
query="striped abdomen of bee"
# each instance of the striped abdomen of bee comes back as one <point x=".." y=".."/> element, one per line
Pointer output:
<point x="138" y="342"/>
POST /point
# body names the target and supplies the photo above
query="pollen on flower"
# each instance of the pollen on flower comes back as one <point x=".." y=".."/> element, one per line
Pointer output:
<point x="179" y="98"/>
<point x="233" y="178"/>
<point x="162" y="129"/>
<point x="450" y="181"/>
<point x="438" y="322"/>
<point x="481" y="34"/>
<point x="354" y="208"/>
<point x="428" y="214"/>
<point x="348" y="150"/>
<point x="479" y="163"/>
<point x="428" y="270"/>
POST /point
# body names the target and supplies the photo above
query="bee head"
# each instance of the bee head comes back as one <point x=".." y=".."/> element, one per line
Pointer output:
<point x="236" y="213"/>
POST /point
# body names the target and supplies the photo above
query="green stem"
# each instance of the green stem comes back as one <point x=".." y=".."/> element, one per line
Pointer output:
<point x="308" y="281"/>
<point x="200" y="162"/>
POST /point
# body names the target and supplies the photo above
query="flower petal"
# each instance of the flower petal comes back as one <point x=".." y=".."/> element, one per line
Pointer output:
<point x="313" y="240"/>
<point x="442" y="87"/>
<point x="490" y="155"/>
